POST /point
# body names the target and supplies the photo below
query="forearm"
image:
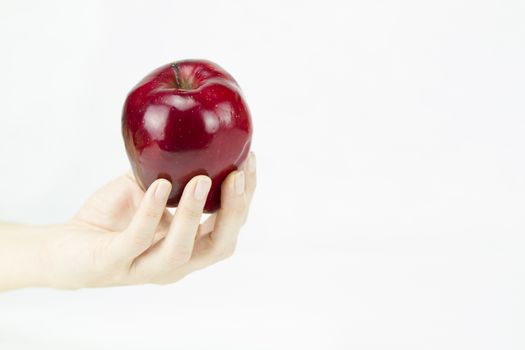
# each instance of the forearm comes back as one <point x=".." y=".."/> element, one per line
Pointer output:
<point x="21" y="261"/>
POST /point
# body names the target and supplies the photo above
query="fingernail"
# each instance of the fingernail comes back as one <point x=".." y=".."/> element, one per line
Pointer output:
<point x="202" y="188"/>
<point x="239" y="182"/>
<point x="163" y="190"/>
<point x="251" y="163"/>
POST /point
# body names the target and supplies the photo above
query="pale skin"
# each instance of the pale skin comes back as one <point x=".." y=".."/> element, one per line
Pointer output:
<point x="125" y="236"/>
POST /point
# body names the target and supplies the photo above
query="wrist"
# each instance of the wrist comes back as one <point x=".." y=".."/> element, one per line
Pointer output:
<point x="47" y="241"/>
<point x="22" y="256"/>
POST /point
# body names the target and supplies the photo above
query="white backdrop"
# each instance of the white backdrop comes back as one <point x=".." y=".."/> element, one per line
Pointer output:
<point x="390" y="212"/>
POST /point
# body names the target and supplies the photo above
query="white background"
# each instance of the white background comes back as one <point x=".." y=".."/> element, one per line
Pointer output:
<point x="390" y="212"/>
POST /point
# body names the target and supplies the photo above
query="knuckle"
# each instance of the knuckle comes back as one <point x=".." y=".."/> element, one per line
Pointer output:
<point x="109" y="256"/>
<point x="115" y="264"/>
<point x="223" y="253"/>
<point x="132" y="239"/>
<point x="140" y="241"/>
<point x="179" y="256"/>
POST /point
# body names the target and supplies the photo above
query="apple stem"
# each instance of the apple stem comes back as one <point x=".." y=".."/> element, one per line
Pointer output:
<point x="177" y="75"/>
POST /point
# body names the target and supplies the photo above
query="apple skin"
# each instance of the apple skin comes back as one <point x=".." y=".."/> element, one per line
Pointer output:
<point x="184" y="119"/>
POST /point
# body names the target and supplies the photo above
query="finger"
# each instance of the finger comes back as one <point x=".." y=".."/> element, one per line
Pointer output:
<point x="231" y="215"/>
<point x="140" y="233"/>
<point x="251" y="181"/>
<point x="177" y="246"/>
<point x="220" y="243"/>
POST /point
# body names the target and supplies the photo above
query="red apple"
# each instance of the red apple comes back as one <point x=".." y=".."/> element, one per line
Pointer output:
<point x="184" y="119"/>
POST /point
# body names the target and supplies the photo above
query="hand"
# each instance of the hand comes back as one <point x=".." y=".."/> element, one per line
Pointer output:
<point x="123" y="236"/>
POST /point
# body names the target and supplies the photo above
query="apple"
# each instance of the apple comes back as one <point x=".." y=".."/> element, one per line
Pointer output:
<point x="184" y="119"/>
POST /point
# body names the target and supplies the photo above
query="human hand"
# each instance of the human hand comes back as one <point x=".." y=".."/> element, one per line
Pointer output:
<point x="123" y="236"/>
